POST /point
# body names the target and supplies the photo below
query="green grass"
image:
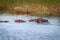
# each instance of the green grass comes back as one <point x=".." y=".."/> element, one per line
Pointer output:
<point x="46" y="14"/>
<point x="19" y="2"/>
<point x="13" y="3"/>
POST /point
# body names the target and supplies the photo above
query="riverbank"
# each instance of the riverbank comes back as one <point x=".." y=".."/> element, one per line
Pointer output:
<point x="32" y="9"/>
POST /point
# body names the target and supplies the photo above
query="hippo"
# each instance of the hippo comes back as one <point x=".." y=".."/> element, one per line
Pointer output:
<point x="5" y="21"/>
<point x="19" y="21"/>
<point x="32" y="20"/>
<point x="39" y="20"/>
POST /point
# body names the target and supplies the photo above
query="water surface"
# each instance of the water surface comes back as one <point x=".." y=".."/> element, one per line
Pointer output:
<point x="29" y="30"/>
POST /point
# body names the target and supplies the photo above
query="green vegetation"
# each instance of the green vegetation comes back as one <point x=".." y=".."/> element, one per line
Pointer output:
<point x="46" y="14"/>
<point x="12" y="3"/>
<point x="32" y="5"/>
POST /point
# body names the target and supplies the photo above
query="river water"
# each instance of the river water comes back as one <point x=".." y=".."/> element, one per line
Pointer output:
<point x="29" y="30"/>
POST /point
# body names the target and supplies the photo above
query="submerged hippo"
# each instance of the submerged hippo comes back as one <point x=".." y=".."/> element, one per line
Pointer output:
<point x="19" y="21"/>
<point x="39" y="20"/>
<point x="32" y="20"/>
<point x="5" y="21"/>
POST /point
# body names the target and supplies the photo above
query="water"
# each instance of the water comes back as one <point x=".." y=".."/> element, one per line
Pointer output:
<point x="29" y="31"/>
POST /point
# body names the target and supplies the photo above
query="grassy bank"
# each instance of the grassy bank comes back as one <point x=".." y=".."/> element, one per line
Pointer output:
<point x="46" y="14"/>
<point x="36" y="7"/>
<point x="42" y="14"/>
<point x="18" y="3"/>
